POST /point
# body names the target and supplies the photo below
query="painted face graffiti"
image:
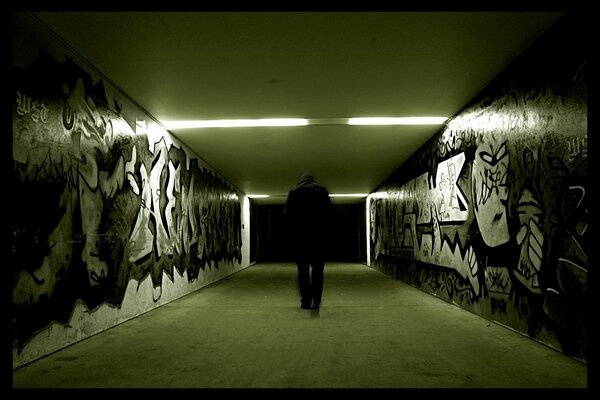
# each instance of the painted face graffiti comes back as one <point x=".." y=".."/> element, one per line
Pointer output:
<point x="490" y="192"/>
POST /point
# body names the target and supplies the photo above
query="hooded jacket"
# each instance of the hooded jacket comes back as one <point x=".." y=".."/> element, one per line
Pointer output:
<point x="308" y="214"/>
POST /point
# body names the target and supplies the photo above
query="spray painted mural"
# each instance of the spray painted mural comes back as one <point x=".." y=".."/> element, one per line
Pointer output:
<point x="99" y="203"/>
<point x="499" y="222"/>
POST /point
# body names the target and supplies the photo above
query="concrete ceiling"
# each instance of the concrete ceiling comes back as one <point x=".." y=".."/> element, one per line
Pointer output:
<point x="205" y="65"/>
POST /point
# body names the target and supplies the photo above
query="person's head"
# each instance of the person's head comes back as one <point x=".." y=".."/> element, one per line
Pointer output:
<point x="306" y="177"/>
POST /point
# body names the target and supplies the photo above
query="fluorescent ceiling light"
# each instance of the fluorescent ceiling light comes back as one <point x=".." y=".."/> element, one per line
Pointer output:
<point x="249" y="123"/>
<point x="397" y="121"/>
<point x="262" y="196"/>
<point x="348" y="195"/>
<point x="236" y="123"/>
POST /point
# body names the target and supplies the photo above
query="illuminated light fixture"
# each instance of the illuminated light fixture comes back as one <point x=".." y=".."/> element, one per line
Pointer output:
<point x="258" y="196"/>
<point x="236" y="123"/>
<point x="398" y="121"/>
<point x="264" y="122"/>
<point x="348" y="195"/>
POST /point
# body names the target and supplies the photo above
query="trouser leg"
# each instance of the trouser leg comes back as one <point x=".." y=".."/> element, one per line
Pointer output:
<point x="304" y="283"/>
<point x="317" y="281"/>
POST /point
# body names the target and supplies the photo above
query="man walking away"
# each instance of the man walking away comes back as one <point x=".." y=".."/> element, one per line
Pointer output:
<point x="307" y="213"/>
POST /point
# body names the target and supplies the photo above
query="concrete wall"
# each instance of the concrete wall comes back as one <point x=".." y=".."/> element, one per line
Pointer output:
<point x="111" y="216"/>
<point x="492" y="214"/>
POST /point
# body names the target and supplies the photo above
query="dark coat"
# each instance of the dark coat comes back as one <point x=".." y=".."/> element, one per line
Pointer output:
<point x="308" y="216"/>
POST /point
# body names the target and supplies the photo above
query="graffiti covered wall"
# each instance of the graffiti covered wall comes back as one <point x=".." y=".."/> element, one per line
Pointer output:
<point x="492" y="213"/>
<point x="111" y="216"/>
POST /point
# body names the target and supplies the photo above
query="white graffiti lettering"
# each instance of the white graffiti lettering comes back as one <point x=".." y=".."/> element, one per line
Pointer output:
<point x="38" y="111"/>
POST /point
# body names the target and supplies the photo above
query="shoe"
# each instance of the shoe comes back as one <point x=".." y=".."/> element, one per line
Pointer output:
<point x="306" y="307"/>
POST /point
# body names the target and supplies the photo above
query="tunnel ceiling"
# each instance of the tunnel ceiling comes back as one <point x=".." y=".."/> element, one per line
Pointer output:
<point x="317" y="65"/>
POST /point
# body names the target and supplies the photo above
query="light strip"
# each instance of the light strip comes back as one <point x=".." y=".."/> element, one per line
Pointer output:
<point x="262" y="196"/>
<point x="348" y="195"/>
<point x="249" y="123"/>
<point x="236" y="123"/>
<point x="397" y="121"/>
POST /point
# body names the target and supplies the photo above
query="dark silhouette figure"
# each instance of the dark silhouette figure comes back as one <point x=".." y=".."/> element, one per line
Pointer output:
<point x="307" y="213"/>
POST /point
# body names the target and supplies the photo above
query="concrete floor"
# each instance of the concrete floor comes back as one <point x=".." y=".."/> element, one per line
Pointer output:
<point x="248" y="331"/>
